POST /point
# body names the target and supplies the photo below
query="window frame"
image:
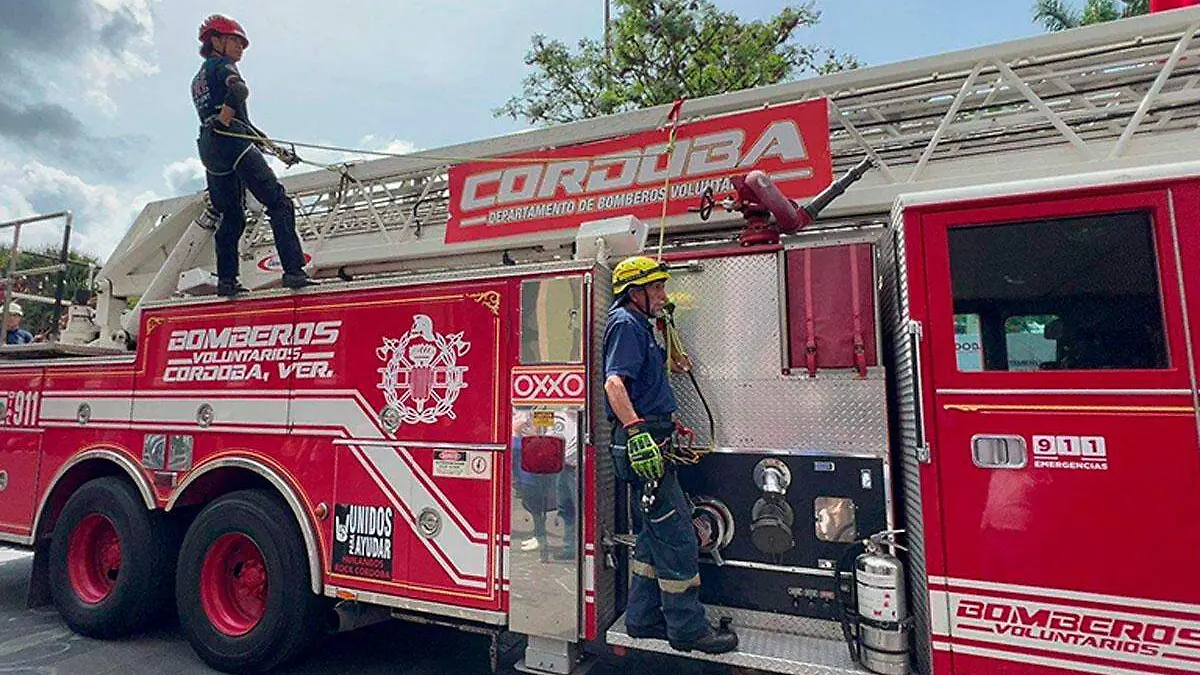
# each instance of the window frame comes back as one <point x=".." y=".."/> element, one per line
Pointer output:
<point x="936" y="224"/>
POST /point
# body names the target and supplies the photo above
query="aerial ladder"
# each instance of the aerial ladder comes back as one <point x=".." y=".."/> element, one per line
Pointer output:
<point x="1101" y="98"/>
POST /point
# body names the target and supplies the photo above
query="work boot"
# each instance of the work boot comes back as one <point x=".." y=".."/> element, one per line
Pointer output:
<point x="712" y="642"/>
<point x="228" y="288"/>
<point x="295" y="280"/>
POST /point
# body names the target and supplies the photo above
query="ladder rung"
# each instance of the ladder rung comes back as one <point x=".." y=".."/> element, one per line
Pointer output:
<point x="35" y="270"/>
<point x="28" y="297"/>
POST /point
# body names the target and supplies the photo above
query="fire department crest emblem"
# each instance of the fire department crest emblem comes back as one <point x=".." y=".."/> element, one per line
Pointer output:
<point x="421" y="379"/>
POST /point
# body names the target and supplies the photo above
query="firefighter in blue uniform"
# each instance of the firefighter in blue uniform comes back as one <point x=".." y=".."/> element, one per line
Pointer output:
<point x="664" y="594"/>
<point x="13" y="333"/>
<point x="233" y="165"/>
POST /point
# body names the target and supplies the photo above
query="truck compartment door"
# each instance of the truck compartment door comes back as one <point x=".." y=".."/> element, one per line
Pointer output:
<point x="410" y="402"/>
<point x="1065" y="447"/>
<point x="20" y="451"/>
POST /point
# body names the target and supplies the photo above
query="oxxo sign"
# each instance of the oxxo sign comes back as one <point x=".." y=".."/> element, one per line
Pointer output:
<point x="561" y="188"/>
<point x="558" y="386"/>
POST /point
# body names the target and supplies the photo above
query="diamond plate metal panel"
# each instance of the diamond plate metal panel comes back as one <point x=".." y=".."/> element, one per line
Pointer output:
<point x="778" y="623"/>
<point x="730" y="319"/>
<point x="761" y="650"/>
<point x="905" y="399"/>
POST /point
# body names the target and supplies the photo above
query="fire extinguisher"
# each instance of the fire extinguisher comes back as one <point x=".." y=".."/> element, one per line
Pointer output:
<point x="872" y="606"/>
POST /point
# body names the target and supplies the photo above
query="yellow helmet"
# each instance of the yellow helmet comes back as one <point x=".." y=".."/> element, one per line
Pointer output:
<point x="637" y="271"/>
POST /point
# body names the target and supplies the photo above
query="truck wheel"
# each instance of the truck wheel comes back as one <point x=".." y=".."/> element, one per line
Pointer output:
<point x="111" y="560"/>
<point x="242" y="585"/>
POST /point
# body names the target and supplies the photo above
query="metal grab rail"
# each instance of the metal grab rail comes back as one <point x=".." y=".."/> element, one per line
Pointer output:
<point x="13" y="273"/>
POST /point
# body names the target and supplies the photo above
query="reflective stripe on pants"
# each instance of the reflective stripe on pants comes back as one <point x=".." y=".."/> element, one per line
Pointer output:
<point x="665" y="581"/>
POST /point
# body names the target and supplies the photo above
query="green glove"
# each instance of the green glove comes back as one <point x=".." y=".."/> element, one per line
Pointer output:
<point x="644" y="455"/>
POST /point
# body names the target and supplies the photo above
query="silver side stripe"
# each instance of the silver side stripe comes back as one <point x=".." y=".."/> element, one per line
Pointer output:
<point x="460" y="549"/>
<point x="1064" y="594"/>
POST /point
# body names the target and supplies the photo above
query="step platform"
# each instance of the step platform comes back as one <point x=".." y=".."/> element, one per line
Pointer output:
<point x="758" y="648"/>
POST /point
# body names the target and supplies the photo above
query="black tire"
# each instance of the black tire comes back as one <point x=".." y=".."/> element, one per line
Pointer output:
<point x="139" y="588"/>
<point x="290" y="611"/>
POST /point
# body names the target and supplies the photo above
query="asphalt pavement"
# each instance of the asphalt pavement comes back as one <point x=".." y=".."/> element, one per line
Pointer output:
<point x="36" y="641"/>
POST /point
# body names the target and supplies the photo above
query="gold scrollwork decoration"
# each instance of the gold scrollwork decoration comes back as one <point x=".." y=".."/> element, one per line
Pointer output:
<point x="489" y="299"/>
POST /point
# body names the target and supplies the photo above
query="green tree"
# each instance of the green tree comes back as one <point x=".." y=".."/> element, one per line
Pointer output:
<point x="1058" y="15"/>
<point x="39" y="316"/>
<point x="663" y="50"/>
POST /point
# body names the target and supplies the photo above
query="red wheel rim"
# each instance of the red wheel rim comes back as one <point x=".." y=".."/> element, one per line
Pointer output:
<point x="94" y="558"/>
<point x="233" y="584"/>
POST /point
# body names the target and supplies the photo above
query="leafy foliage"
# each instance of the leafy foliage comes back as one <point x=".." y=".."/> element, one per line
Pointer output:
<point x="39" y="316"/>
<point x="1057" y="15"/>
<point x="663" y="50"/>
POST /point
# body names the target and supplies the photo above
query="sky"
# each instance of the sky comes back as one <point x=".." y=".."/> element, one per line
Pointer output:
<point x="96" y="115"/>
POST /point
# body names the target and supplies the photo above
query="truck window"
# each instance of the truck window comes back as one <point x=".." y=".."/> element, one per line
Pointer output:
<point x="1026" y="342"/>
<point x="1065" y="294"/>
<point x="552" y="320"/>
<point x="968" y="342"/>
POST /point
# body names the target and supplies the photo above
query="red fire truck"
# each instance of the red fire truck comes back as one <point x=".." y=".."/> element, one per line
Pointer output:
<point x="949" y="428"/>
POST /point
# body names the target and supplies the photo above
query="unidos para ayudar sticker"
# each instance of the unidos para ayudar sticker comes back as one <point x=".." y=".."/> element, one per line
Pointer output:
<point x="362" y="540"/>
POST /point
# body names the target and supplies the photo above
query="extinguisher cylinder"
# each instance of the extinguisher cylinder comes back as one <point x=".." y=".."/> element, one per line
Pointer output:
<point x="884" y="625"/>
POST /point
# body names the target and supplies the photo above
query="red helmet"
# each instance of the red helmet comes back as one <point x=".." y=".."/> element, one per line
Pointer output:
<point x="220" y="25"/>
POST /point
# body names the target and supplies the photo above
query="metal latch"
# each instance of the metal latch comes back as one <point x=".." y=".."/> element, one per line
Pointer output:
<point x="999" y="452"/>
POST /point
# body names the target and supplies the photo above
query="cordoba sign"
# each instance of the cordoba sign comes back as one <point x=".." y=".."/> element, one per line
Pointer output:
<point x="561" y="188"/>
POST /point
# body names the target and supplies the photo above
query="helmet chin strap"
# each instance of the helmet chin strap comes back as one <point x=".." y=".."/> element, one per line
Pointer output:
<point x="643" y="309"/>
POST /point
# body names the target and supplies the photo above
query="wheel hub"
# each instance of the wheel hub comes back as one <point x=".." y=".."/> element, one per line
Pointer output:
<point x="233" y="584"/>
<point x="94" y="558"/>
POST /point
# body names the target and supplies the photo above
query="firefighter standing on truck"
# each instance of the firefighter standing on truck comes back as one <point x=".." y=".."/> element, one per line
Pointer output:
<point x="233" y="164"/>
<point x="664" y="594"/>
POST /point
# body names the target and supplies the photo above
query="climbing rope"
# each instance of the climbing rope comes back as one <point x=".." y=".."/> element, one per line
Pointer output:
<point x="676" y="350"/>
<point x="274" y="146"/>
<point x="673" y="118"/>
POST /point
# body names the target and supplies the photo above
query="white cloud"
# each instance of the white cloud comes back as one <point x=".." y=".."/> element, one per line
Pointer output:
<point x="102" y="67"/>
<point x="335" y="157"/>
<point x="101" y="213"/>
<point x="185" y="176"/>
<point x="395" y="145"/>
<point x="142" y="10"/>
<point x="101" y="70"/>
<point x="12" y="206"/>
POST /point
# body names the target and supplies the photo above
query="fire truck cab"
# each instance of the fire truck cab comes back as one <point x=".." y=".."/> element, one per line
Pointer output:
<point x="949" y="428"/>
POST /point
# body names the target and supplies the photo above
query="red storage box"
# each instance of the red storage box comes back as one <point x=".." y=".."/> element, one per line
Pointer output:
<point x="831" y="308"/>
